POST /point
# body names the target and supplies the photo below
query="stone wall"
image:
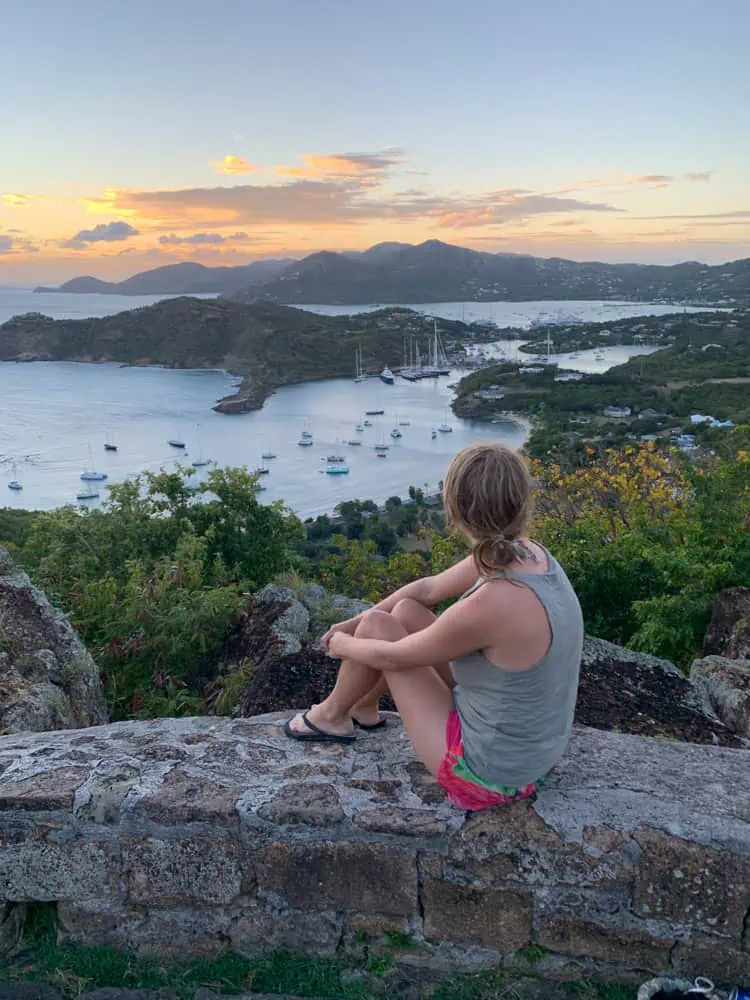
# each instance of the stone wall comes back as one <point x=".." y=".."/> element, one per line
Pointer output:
<point x="196" y="835"/>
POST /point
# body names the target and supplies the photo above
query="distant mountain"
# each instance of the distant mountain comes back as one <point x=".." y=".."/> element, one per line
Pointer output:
<point x="440" y="272"/>
<point x="185" y="278"/>
<point x="436" y="272"/>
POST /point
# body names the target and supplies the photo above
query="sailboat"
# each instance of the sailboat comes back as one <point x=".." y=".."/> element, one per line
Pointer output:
<point x="359" y="374"/>
<point x="445" y="427"/>
<point x="268" y="455"/>
<point x="87" y="493"/>
<point x="15" y="484"/>
<point x="396" y="433"/>
<point x="176" y="442"/>
<point x="91" y="475"/>
<point x="109" y="444"/>
<point x="262" y="470"/>
<point x="200" y="461"/>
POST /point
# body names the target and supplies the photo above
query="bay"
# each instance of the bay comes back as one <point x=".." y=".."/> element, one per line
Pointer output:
<point x="51" y="414"/>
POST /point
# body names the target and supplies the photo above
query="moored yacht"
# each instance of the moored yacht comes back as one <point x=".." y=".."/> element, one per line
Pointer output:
<point x="387" y="376"/>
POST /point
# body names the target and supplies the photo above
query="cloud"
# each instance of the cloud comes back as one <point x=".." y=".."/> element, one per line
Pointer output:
<point x="333" y="202"/>
<point x="652" y="180"/>
<point x="16" y="200"/>
<point x="210" y="239"/>
<point x="499" y="207"/>
<point x="351" y="165"/>
<point x="699" y="175"/>
<point x="105" y="232"/>
<point x="742" y="213"/>
<point x="234" y="165"/>
<point x="10" y="245"/>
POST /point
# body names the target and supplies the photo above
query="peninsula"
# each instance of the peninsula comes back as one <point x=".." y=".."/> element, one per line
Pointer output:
<point x="269" y="345"/>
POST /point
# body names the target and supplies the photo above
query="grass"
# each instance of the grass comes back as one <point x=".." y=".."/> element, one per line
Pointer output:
<point x="75" y="969"/>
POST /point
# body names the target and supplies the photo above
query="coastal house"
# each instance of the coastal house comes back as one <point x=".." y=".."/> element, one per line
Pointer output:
<point x="530" y="370"/>
<point x="569" y="377"/>
<point x="617" y="411"/>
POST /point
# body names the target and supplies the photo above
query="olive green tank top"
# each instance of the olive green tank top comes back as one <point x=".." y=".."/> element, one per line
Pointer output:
<point x="516" y="723"/>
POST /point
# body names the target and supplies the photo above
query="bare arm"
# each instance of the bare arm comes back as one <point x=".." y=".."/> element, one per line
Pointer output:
<point x="428" y="590"/>
<point x="462" y="629"/>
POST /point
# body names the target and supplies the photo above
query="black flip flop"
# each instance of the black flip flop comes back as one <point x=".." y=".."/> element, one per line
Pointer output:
<point x="376" y="725"/>
<point x="316" y="735"/>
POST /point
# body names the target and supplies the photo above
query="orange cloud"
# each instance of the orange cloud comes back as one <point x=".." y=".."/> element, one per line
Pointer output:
<point x="234" y="165"/>
<point x="356" y="165"/>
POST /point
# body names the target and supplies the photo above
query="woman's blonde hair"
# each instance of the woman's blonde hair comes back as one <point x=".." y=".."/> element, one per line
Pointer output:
<point x="487" y="495"/>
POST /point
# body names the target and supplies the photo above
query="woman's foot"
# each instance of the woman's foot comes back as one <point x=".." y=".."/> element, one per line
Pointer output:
<point x="316" y="724"/>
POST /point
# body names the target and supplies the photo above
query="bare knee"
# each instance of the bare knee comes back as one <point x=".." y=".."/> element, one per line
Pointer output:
<point x="412" y="615"/>
<point x="380" y="625"/>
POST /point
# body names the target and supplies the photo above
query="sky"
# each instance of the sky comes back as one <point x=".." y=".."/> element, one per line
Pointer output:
<point x="135" y="133"/>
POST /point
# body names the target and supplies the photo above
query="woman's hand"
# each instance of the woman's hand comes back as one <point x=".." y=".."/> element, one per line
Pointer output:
<point x="337" y="644"/>
<point x="348" y="628"/>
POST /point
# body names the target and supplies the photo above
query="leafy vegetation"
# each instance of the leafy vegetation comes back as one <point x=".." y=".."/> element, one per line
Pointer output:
<point x="154" y="580"/>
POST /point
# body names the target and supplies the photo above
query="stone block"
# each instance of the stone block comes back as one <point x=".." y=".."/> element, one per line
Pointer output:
<point x="307" y="804"/>
<point x="491" y="918"/>
<point x="44" y="792"/>
<point x="618" y="940"/>
<point x="100" y="798"/>
<point x="183" y="797"/>
<point x="691" y="884"/>
<point x="180" y="932"/>
<point x="268" y="925"/>
<point x="203" y="870"/>
<point x="371" y="878"/>
<point x="702" y="955"/>
<point x="39" y="868"/>
<point x="517" y="844"/>
<point x="408" y="822"/>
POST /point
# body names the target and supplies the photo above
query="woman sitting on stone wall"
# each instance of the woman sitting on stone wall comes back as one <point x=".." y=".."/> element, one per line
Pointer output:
<point x="487" y="690"/>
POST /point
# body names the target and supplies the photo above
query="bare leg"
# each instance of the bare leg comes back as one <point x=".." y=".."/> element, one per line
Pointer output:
<point x="422" y="697"/>
<point x="414" y="617"/>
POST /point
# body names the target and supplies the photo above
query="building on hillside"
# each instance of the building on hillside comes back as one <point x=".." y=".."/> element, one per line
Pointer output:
<point x="617" y="411"/>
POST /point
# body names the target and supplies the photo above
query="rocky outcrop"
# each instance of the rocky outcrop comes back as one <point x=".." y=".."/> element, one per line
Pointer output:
<point x="47" y="678"/>
<point x="281" y="639"/>
<point x="729" y="630"/>
<point x="633" y="692"/>
<point x="196" y="835"/>
<point x="726" y="685"/>
<point x="620" y="689"/>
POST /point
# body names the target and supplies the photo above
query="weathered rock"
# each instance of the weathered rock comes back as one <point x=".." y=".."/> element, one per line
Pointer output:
<point x="47" y="678"/>
<point x="634" y="848"/>
<point x="728" y="632"/>
<point x="632" y="692"/>
<point x="726" y="686"/>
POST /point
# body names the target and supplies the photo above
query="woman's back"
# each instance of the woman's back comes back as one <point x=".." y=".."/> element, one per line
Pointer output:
<point x="516" y="723"/>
